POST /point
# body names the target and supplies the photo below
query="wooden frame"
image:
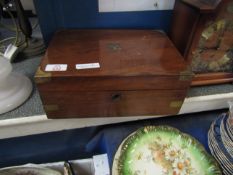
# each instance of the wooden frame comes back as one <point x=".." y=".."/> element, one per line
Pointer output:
<point x="189" y="19"/>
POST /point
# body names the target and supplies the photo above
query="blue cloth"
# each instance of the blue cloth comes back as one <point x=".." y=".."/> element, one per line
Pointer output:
<point x="85" y="142"/>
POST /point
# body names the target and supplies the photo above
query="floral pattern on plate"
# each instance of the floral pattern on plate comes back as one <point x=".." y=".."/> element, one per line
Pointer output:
<point x="163" y="150"/>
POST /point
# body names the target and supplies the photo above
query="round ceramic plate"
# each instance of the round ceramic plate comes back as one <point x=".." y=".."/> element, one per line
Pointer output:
<point x="229" y="128"/>
<point x="226" y="140"/>
<point x="163" y="150"/>
<point x="28" y="171"/>
<point x="217" y="148"/>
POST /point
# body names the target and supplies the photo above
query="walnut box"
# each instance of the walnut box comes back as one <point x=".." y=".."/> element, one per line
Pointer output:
<point x="112" y="73"/>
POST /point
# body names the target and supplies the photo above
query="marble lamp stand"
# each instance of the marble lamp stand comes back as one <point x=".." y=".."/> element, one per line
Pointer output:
<point x="14" y="88"/>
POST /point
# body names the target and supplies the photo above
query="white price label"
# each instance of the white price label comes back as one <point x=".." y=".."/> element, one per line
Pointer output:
<point x="88" y="66"/>
<point x="101" y="165"/>
<point x="56" y="67"/>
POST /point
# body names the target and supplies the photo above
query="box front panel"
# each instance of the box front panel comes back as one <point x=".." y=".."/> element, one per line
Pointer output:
<point x="73" y="104"/>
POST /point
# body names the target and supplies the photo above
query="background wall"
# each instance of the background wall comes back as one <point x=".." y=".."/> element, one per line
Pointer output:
<point x="57" y="14"/>
<point x="28" y="5"/>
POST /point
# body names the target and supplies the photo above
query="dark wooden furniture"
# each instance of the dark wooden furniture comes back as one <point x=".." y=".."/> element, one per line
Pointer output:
<point x="202" y="30"/>
<point x="141" y="73"/>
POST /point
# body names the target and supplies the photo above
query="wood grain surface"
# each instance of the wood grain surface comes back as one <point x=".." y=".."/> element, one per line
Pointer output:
<point x="141" y="73"/>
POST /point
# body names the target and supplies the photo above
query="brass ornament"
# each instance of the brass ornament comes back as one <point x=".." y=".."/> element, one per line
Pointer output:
<point x="42" y="76"/>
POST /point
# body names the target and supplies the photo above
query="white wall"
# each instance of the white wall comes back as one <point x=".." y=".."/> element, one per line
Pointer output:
<point x="134" y="5"/>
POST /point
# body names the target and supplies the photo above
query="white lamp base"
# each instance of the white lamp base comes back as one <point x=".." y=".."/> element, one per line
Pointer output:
<point x="15" y="90"/>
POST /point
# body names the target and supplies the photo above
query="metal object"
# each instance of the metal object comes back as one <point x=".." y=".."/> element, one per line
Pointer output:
<point x="186" y="75"/>
<point x="176" y="104"/>
<point x="42" y="76"/>
<point x="50" y="108"/>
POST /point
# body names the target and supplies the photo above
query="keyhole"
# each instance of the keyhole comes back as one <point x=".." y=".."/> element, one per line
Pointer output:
<point x="116" y="96"/>
<point x="156" y="5"/>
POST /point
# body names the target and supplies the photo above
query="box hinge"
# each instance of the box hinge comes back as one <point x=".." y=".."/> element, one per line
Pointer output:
<point x="186" y="75"/>
<point x="176" y="104"/>
<point x="42" y="76"/>
<point x="50" y="108"/>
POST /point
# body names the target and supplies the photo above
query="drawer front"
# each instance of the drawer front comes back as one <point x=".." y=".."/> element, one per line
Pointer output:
<point x="111" y="103"/>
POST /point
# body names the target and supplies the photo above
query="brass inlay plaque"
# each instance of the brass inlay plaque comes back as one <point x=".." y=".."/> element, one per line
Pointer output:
<point x="186" y="75"/>
<point x="176" y="104"/>
<point x="50" y="108"/>
<point x="42" y="76"/>
<point x="114" y="47"/>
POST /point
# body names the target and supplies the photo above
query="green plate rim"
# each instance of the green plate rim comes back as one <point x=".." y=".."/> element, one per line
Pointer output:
<point x="145" y="129"/>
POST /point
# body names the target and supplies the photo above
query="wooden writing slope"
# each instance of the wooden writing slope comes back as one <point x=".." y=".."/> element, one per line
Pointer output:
<point x="129" y="73"/>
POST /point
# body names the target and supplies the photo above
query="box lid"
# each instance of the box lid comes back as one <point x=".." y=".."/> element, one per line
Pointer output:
<point x="127" y="60"/>
<point x="118" y="52"/>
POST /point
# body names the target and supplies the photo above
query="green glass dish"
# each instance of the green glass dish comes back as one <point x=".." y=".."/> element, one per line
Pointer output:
<point x="164" y="150"/>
